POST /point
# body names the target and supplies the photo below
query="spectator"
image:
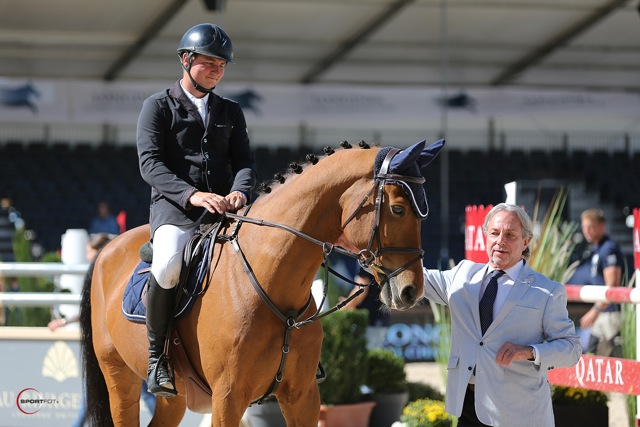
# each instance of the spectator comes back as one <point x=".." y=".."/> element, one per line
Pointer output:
<point x="104" y="221"/>
<point x="10" y="221"/>
<point x="605" y="264"/>
<point x="369" y="299"/>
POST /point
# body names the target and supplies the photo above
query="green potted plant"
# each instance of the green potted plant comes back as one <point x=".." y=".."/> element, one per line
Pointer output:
<point x="344" y="357"/>
<point x="387" y="379"/>
<point x="578" y="406"/>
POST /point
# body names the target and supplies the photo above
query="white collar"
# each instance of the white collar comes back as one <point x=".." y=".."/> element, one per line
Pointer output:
<point x="194" y="99"/>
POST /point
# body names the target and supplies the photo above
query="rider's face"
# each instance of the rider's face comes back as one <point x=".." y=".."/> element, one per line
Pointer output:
<point x="207" y="71"/>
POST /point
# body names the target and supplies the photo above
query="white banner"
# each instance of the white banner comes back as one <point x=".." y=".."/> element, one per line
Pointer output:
<point x="48" y="101"/>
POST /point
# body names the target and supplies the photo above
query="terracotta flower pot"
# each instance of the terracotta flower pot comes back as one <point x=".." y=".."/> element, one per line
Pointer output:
<point x="352" y="415"/>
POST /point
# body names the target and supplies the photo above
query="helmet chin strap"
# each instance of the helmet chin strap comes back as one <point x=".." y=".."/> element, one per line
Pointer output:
<point x="188" y="70"/>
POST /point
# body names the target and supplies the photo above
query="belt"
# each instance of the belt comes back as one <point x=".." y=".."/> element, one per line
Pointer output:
<point x="471" y="388"/>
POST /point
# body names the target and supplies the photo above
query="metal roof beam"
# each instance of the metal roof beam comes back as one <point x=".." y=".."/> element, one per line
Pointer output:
<point x="352" y="42"/>
<point x="560" y="39"/>
<point x="147" y="34"/>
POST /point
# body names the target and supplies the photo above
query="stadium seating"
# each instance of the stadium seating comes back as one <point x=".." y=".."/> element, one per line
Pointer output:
<point x="57" y="186"/>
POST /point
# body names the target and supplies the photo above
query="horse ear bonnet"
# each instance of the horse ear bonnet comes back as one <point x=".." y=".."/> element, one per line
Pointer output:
<point x="409" y="162"/>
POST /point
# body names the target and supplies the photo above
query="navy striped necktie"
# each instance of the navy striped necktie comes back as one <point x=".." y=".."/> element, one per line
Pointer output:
<point x="486" y="303"/>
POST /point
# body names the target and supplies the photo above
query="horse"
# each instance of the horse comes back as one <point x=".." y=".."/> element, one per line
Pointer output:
<point x="359" y="202"/>
<point x="19" y="96"/>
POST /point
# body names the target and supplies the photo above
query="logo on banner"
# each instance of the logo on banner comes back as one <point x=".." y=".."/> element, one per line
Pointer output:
<point x="20" y="96"/>
<point x="248" y="100"/>
<point x="60" y="363"/>
<point x="29" y="401"/>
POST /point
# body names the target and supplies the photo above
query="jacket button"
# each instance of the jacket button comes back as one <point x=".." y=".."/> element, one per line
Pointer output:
<point x="481" y="343"/>
<point x="470" y="368"/>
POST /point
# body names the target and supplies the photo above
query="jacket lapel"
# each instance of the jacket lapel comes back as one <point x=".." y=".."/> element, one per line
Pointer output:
<point x="473" y="288"/>
<point x="177" y="92"/>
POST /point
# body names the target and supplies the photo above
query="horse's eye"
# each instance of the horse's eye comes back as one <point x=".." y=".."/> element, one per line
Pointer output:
<point x="397" y="210"/>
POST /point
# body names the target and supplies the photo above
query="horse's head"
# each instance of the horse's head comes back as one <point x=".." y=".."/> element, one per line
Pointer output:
<point x="395" y="207"/>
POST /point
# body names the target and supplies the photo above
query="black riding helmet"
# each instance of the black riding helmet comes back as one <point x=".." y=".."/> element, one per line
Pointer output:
<point x="205" y="39"/>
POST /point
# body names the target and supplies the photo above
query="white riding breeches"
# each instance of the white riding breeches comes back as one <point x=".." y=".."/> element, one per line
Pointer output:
<point x="169" y="242"/>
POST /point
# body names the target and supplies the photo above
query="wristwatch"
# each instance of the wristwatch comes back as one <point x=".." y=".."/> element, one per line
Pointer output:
<point x="533" y="353"/>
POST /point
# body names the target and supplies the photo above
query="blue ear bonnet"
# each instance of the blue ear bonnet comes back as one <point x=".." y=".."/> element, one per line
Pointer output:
<point x="409" y="163"/>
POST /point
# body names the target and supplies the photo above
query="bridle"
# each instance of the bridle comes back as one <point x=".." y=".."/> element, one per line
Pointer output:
<point x="366" y="258"/>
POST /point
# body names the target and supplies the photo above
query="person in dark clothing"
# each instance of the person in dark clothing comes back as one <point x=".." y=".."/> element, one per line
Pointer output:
<point x="369" y="299"/>
<point x="10" y="221"/>
<point x="104" y="221"/>
<point x="605" y="264"/>
<point x="193" y="150"/>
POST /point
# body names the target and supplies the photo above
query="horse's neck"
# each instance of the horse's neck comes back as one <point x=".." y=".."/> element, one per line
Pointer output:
<point x="311" y="202"/>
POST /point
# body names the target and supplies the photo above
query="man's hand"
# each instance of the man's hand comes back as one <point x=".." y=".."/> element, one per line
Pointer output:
<point x="236" y="200"/>
<point x="587" y="320"/>
<point x="210" y="201"/>
<point x="510" y="352"/>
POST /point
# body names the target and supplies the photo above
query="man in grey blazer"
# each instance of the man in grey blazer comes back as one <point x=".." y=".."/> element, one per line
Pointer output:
<point x="499" y="377"/>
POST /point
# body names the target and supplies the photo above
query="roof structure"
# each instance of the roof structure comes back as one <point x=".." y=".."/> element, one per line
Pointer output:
<point x="551" y="44"/>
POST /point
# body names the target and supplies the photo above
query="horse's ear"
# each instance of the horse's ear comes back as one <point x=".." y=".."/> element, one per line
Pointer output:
<point x="430" y="153"/>
<point x="406" y="157"/>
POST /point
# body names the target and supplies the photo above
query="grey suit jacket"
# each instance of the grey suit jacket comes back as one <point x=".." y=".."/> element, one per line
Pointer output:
<point x="535" y="312"/>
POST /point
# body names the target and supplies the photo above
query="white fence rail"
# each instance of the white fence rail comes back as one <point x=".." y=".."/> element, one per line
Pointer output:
<point x="39" y="269"/>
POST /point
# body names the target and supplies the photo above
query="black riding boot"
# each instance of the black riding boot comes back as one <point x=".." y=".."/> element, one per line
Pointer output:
<point x="160" y="305"/>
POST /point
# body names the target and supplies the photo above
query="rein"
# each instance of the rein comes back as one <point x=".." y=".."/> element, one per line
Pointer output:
<point x="366" y="258"/>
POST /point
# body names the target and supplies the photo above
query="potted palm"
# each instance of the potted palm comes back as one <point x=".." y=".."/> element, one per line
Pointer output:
<point x="344" y="357"/>
<point x="387" y="379"/>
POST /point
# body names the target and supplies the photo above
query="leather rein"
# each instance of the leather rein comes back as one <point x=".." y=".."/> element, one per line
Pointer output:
<point x="365" y="257"/>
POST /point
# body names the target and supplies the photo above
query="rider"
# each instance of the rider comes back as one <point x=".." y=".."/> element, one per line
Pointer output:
<point x="194" y="152"/>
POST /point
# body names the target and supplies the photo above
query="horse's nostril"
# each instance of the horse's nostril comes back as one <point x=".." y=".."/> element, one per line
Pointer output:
<point x="408" y="294"/>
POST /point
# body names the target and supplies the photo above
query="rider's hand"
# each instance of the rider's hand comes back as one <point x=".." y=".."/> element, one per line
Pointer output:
<point x="237" y="200"/>
<point x="211" y="202"/>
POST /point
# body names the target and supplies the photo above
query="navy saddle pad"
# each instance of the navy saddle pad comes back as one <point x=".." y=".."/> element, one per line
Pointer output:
<point x="133" y="305"/>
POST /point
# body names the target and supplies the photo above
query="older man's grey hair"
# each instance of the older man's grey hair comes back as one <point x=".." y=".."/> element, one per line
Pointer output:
<point x="525" y="221"/>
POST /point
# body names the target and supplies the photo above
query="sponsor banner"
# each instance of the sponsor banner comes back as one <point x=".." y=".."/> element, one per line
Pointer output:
<point x="101" y="102"/>
<point x="41" y="379"/>
<point x="474" y="241"/>
<point x="600" y="373"/>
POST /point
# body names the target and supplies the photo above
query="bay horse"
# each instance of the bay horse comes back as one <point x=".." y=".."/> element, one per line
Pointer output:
<point x="363" y="200"/>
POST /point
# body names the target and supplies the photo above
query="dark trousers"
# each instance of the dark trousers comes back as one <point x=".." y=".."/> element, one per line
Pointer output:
<point x="469" y="418"/>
